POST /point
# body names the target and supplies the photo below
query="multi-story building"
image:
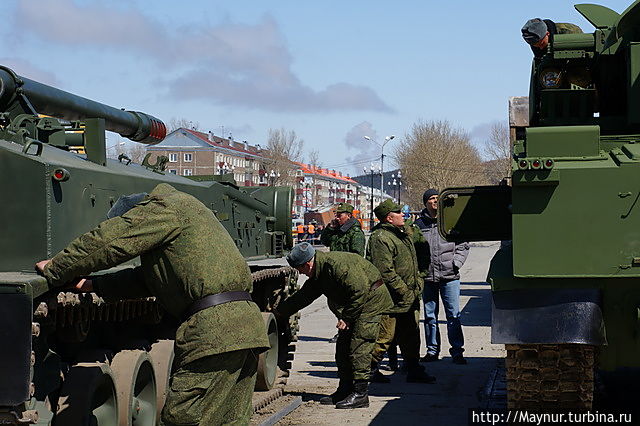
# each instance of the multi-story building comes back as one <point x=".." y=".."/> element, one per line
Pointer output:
<point x="318" y="189"/>
<point x="193" y="153"/>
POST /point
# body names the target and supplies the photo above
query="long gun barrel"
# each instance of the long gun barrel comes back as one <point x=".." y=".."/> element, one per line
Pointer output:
<point x="43" y="99"/>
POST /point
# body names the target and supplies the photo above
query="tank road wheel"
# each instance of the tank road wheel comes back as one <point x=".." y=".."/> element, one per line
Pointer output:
<point x="550" y="377"/>
<point x="268" y="360"/>
<point x="88" y="396"/>
<point x="136" y="388"/>
<point x="162" y="358"/>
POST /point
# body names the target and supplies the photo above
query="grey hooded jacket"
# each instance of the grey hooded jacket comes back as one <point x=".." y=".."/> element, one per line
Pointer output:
<point x="446" y="258"/>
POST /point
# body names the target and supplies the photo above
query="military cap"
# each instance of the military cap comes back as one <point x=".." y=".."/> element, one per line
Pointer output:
<point x="386" y="207"/>
<point x="428" y="194"/>
<point x="534" y="30"/>
<point x="124" y="204"/>
<point x="344" y="208"/>
<point x="300" y="254"/>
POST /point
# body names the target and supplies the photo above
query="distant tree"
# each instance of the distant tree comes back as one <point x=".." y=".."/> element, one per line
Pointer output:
<point x="177" y="123"/>
<point x="497" y="150"/>
<point x="435" y="155"/>
<point x="136" y="152"/>
<point x="283" y="148"/>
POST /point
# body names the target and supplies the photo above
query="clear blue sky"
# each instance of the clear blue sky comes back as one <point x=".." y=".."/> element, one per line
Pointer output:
<point x="333" y="71"/>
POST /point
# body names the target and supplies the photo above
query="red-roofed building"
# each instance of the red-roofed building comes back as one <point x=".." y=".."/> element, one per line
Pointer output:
<point x="319" y="189"/>
<point x="194" y="153"/>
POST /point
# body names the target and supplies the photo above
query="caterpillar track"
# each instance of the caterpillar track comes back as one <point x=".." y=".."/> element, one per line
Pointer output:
<point x="550" y="377"/>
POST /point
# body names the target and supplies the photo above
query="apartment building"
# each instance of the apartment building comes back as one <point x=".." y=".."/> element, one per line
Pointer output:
<point x="192" y="153"/>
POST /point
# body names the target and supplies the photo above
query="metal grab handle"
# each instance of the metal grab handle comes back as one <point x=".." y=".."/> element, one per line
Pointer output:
<point x="31" y="143"/>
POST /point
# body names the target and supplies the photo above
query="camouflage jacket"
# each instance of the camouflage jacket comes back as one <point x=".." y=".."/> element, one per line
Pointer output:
<point x="346" y="279"/>
<point x="349" y="237"/>
<point x="392" y="250"/>
<point x="185" y="254"/>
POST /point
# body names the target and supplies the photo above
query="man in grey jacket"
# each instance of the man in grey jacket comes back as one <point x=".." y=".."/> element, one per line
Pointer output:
<point x="443" y="278"/>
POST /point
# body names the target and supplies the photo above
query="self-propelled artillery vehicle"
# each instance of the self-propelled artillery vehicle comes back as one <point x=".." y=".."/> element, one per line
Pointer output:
<point x="75" y="359"/>
<point x="566" y="282"/>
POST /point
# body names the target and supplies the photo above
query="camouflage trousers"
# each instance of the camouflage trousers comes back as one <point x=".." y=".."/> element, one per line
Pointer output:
<point x="214" y="390"/>
<point x="404" y="327"/>
<point x="354" y="348"/>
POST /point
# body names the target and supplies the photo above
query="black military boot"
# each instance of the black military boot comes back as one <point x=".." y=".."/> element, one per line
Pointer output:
<point x="417" y="374"/>
<point x="343" y="391"/>
<point x="359" y="398"/>
<point x="376" y="375"/>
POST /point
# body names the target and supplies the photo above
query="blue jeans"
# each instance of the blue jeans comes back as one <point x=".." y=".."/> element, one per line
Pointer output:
<point x="450" y="293"/>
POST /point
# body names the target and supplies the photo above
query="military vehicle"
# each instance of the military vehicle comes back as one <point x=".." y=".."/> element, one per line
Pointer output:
<point x="566" y="294"/>
<point x="74" y="359"/>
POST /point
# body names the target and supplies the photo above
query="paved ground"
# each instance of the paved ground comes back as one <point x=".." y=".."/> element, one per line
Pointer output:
<point x="447" y="402"/>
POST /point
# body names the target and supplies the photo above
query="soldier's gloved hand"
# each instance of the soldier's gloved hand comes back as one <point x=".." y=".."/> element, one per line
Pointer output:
<point x="342" y="325"/>
<point x="334" y="223"/>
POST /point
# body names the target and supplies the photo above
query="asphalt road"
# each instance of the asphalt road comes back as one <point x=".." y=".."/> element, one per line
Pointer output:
<point x="458" y="388"/>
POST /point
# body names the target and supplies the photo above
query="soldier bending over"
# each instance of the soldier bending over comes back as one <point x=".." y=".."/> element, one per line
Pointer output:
<point x="192" y="266"/>
<point x="357" y="296"/>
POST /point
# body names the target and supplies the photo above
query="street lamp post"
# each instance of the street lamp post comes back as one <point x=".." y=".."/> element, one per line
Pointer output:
<point x="387" y="139"/>
<point x="396" y="186"/>
<point x="272" y="176"/>
<point x="372" y="170"/>
<point x="306" y="197"/>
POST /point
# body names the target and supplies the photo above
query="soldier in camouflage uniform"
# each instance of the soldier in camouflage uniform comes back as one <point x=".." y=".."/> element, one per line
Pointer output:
<point x="538" y="33"/>
<point x="357" y="296"/>
<point x="344" y="233"/>
<point x="185" y="254"/>
<point x="392" y="249"/>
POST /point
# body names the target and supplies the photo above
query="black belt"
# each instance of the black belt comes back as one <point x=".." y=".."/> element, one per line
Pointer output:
<point x="214" y="300"/>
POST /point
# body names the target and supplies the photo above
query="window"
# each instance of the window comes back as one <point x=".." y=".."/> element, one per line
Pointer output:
<point x="188" y="157"/>
<point x="187" y="172"/>
<point x="174" y="171"/>
<point x="173" y="158"/>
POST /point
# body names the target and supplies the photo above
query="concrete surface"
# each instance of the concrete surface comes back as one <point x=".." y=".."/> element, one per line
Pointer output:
<point x="458" y="388"/>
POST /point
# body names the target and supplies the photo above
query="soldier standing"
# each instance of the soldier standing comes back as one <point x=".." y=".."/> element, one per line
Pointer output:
<point x="392" y="249"/>
<point x="357" y="296"/>
<point x="344" y="233"/>
<point x="192" y="266"/>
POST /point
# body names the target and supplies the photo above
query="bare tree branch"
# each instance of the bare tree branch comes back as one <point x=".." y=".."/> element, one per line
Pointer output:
<point x="283" y="149"/>
<point x="176" y="123"/>
<point x="498" y="150"/>
<point x="435" y="155"/>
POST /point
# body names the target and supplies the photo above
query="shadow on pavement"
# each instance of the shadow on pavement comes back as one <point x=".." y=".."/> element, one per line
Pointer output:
<point x="446" y="402"/>
<point x="323" y="363"/>
<point x="308" y="396"/>
<point x="313" y="339"/>
<point x="321" y="373"/>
